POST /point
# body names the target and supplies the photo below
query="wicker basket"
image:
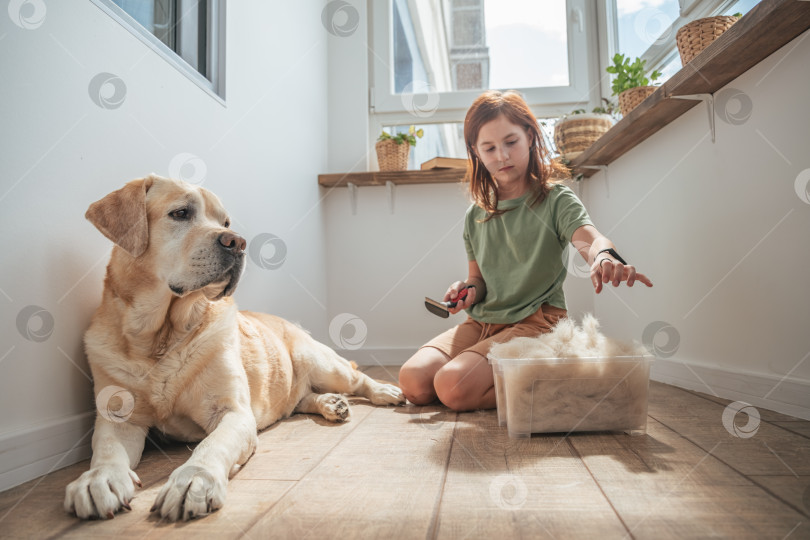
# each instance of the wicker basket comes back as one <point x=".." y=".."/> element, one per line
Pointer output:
<point x="692" y="38"/>
<point x="575" y="133"/>
<point x="632" y="97"/>
<point x="392" y="156"/>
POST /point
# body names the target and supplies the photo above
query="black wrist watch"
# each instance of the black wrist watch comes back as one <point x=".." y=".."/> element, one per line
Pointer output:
<point x="612" y="253"/>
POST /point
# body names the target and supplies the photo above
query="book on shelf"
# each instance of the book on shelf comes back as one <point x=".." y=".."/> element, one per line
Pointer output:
<point x="445" y="163"/>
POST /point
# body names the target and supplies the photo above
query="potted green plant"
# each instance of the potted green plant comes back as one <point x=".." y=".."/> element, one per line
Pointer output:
<point x="695" y="36"/>
<point x="576" y="131"/>
<point x="393" y="150"/>
<point x="631" y="85"/>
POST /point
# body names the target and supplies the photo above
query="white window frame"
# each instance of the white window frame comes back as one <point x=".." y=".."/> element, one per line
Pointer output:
<point x="389" y="108"/>
<point x="215" y="43"/>
<point x="662" y="52"/>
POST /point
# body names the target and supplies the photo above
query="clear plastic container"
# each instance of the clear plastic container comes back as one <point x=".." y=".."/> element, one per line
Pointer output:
<point x="562" y="395"/>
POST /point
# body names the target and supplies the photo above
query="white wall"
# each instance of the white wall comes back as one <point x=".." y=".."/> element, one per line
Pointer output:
<point x="723" y="233"/>
<point x="382" y="265"/>
<point x="718" y="227"/>
<point x="60" y="152"/>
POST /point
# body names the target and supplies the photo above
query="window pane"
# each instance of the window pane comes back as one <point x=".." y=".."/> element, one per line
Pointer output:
<point x="479" y="44"/>
<point x="669" y="69"/>
<point x="438" y="140"/>
<point x="164" y="22"/>
<point x="157" y="16"/>
<point x="642" y="23"/>
<point x="743" y="6"/>
<point x="180" y="24"/>
<point x="447" y="140"/>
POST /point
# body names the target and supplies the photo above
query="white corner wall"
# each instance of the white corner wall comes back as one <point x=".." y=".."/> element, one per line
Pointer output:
<point x="382" y="265"/>
<point x="722" y="230"/>
<point x="261" y="153"/>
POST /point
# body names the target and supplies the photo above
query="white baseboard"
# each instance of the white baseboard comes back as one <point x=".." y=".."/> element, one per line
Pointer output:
<point x="377" y="357"/>
<point x="29" y="453"/>
<point x="787" y="396"/>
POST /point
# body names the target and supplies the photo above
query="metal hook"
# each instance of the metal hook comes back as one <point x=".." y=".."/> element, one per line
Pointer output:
<point x="390" y="185"/>
<point x="352" y="196"/>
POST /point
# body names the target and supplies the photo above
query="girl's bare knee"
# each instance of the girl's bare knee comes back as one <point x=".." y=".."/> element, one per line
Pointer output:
<point x="464" y="383"/>
<point x="416" y="375"/>
<point x="450" y="389"/>
<point x="416" y="385"/>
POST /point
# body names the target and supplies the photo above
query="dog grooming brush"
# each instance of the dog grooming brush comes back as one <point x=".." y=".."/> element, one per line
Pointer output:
<point x="442" y="308"/>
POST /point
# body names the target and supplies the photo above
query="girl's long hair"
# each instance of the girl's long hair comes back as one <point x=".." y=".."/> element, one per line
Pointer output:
<point x="483" y="188"/>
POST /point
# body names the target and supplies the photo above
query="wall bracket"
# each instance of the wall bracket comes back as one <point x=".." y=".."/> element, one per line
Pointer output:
<point x="352" y="196"/>
<point x="390" y="186"/>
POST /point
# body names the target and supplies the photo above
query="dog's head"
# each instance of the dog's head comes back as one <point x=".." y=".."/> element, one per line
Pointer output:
<point x="178" y="232"/>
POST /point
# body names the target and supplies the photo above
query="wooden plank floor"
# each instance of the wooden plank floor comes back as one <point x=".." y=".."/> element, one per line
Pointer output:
<point x="428" y="472"/>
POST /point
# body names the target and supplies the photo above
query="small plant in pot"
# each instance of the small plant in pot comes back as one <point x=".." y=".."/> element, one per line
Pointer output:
<point x="393" y="150"/>
<point x="575" y="132"/>
<point x="631" y="85"/>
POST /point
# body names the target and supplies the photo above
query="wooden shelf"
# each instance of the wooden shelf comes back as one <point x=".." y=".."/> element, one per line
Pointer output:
<point x="768" y="26"/>
<point x="431" y="176"/>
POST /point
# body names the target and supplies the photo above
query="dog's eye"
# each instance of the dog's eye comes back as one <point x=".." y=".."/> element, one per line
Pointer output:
<point x="180" y="214"/>
<point x="227" y="223"/>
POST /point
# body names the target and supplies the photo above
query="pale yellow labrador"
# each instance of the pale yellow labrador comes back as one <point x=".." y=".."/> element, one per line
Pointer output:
<point x="168" y="349"/>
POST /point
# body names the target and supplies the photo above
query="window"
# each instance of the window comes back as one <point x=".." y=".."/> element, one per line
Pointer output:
<point x="643" y="23"/>
<point x="647" y="28"/>
<point x="431" y="58"/>
<point x="445" y="52"/>
<point x="445" y="140"/>
<point x="189" y="34"/>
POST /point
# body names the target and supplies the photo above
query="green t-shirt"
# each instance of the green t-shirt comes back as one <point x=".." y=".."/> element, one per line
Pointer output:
<point x="520" y="253"/>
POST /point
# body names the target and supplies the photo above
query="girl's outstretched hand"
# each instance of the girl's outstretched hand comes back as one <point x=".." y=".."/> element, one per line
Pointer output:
<point x="606" y="270"/>
<point x="452" y="296"/>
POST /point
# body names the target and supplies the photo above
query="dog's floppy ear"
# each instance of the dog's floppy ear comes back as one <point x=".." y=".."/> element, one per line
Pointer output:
<point x="121" y="216"/>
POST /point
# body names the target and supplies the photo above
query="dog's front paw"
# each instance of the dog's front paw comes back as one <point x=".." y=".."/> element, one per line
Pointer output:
<point x="101" y="492"/>
<point x="191" y="491"/>
<point x="387" y="394"/>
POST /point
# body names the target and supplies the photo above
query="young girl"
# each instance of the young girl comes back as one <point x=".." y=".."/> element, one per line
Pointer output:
<point x="515" y="234"/>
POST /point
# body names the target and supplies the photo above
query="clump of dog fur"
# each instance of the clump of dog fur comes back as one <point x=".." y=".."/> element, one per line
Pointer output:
<point x="604" y="391"/>
<point x="568" y="340"/>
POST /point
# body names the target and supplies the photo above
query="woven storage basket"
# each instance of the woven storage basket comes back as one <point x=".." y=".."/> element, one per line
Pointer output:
<point x="575" y="133"/>
<point x="632" y="97"/>
<point x="392" y="156"/>
<point x="692" y="38"/>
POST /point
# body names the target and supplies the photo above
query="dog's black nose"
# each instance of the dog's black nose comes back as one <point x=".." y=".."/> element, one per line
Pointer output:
<point x="232" y="242"/>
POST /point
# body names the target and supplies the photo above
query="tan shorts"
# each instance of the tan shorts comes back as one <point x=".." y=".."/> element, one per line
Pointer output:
<point x="477" y="337"/>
